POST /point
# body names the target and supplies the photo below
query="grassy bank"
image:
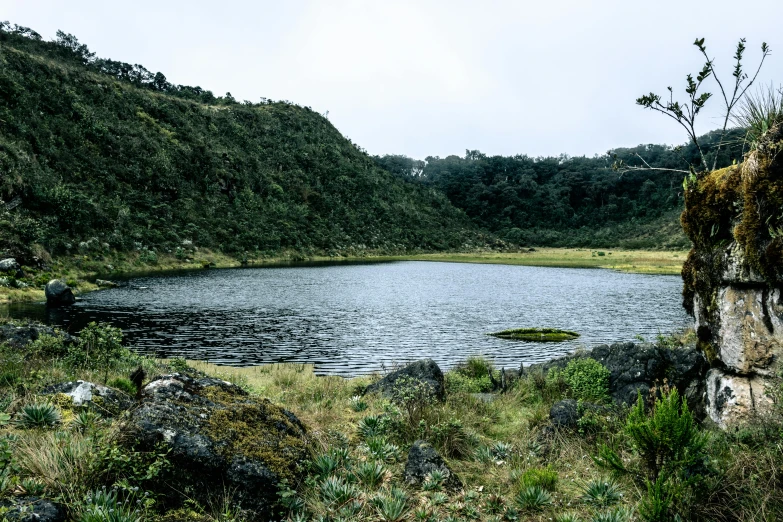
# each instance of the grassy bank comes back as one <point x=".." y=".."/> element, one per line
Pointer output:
<point x="80" y="271"/>
<point x="512" y="464"/>
<point x="633" y="261"/>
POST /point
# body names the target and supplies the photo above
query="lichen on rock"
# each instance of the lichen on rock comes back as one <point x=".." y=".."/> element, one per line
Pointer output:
<point x="220" y="437"/>
<point x="733" y="277"/>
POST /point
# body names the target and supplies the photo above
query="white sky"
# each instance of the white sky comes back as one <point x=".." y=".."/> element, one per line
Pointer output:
<point x="430" y="77"/>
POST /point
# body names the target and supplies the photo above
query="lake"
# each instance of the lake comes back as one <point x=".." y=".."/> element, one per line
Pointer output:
<point x="352" y="319"/>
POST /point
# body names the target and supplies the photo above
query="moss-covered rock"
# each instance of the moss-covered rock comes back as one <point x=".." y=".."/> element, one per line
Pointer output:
<point x="220" y="438"/>
<point x="541" y="335"/>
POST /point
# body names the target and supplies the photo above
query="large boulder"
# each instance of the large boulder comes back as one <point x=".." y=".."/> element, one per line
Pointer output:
<point x="9" y="265"/>
<point x="423" y="460"/>
<point x="83" y="394"/>
<point x="635" y="368"/>
<point x="426" y="371"/>
<point x="220" y="439"/>
<point x="58" y="293"/>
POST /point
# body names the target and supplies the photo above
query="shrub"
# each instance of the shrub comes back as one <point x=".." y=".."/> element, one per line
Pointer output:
<point x="544" y="478"/>
<point x="414" y="397"/>
<point x="587" y="379"/>
<point x="99" y="346"/>
<point x="451" y="439"/>
<point x="123" y="384"/>
<point x="47" y="346"/>
<point x="458" y="383"/>
<point x="38" y="415"/>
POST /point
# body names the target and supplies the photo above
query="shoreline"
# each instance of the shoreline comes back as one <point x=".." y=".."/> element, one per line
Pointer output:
<point x="83" y="272"/>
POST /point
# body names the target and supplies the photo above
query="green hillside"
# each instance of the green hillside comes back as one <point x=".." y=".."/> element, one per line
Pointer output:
<point x="93" y="148"/>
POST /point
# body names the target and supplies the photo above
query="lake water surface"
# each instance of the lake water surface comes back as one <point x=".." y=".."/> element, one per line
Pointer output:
<point x="351" y="319"/>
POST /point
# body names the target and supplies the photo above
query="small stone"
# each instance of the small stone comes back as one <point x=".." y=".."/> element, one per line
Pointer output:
<point x="423" y="460"/>
<point x="565" y="414"/>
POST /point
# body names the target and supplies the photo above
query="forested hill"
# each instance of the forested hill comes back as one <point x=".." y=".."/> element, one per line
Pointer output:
<point x="570" y="201"/>
<point x="94" y="148"/>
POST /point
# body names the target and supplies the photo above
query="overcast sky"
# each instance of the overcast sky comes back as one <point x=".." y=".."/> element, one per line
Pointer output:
<point x="434" y="77"/>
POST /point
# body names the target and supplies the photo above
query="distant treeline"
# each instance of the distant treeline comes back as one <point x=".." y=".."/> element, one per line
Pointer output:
<point x="570" y="201"/>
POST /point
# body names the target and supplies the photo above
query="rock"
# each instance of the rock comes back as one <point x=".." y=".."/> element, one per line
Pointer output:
<point x="422" y="460"/>
<point x="105" y="400"/>
<point x="564" y="414"/>
<point x="220" y="439"/>
<point x="635" y="368"/>
<point x="58" y="293"/>
<point x="103" y="283"/>
<point x="20" y="336"/>
<point x="33" y="509"/>
<point x="425" y="370"/>
<point x="733" y="399"/>
<point x="9" y="265"/>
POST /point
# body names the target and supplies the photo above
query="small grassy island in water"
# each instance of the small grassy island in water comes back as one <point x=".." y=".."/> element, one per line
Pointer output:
<point x="536" y="334"/>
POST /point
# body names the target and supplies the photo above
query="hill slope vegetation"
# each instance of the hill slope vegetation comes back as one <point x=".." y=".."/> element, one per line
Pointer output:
<point x="94" y="148"/>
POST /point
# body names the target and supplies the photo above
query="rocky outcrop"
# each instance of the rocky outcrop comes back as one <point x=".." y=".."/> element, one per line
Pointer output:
<point x="423" y="460"/>
<point x="33" y="509"/>
<point x="426" y="371"/>
<point x="58" y="293"/>
<point x="635" y="368"/>
<point x="82" y="394"/>
<point x="734" y="279"/>
<point x="220" y="439"/>
<point x="20" y="336"/>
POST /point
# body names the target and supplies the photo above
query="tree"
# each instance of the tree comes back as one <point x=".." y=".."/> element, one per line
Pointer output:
<point x="685" y="113"/>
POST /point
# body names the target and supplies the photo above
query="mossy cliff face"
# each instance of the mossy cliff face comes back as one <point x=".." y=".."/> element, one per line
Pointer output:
<point x="733" y="278"/>
<point x="219" y="438"/>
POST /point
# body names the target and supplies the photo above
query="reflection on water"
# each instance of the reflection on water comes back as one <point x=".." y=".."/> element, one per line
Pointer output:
<point x="356" y="319"/>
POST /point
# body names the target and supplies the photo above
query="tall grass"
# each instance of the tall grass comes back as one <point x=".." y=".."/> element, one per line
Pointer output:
<point x="760" y="112"/>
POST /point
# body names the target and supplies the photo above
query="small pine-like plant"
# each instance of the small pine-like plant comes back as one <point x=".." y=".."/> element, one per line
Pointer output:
<point x="604" y="492"/>
<point x="38" y="415"/>
<point x="533" y="498"/>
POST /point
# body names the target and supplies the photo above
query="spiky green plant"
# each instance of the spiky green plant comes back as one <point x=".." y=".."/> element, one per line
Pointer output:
<point x="104" y="505"/>
<point x="616" y="515"/>
<point x="604" y="492"/>
<point x="567" y="517"/>
<point x="371" y="426"/>
<point x="533" y="498"/>
<point x="334" y="490"/>
<point x="494" y="503"/>
<point x="86" y="421"/>
<point x="759" y="112"/>
<point x="370" y="474"/>
<point x="502" y="450"/>
<point x="38" y="415"/>
<point x="358" y="404"/>
<point x="391" y="508"/>
<point x="323" y="465"/>
<point x="380" y="449"/>
<point x="434" y="480"/>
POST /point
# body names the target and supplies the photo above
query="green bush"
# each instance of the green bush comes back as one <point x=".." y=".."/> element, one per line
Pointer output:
<point x="587" y="379"/>
<point x="47" y="346"/>
<point x="458" y="383"/>
<point x="122" y="384"/>
<point x="544" y="478"/>
<point x="99" y="346"/>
